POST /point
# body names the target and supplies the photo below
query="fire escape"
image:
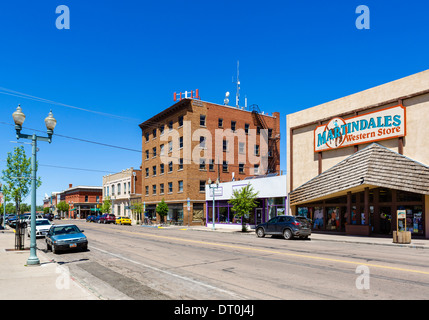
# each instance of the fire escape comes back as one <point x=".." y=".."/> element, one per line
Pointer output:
<point x="273" y="139"/>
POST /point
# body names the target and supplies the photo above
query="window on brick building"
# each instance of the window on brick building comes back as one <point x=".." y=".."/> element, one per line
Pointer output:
<point x="180" y="121"/>
<point x="170" y="187"/>
<point x="180" y="183"/>
<point x="202" y="120"/>
<point x="233" y="125"/>
<point x="220" y="123"/>
<point x="202" y="185"/>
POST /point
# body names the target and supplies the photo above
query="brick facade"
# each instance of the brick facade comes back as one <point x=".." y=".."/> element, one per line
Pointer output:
<point x="181" y="173"/>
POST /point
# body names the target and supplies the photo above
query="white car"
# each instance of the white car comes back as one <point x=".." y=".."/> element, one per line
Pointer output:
<point x="42" y="228"/>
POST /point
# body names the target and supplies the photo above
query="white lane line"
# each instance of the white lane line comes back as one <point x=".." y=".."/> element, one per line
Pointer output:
<point x="170" y="273"/>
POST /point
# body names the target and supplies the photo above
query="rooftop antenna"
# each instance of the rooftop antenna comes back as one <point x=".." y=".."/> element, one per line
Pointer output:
<point x="237" y="99"/>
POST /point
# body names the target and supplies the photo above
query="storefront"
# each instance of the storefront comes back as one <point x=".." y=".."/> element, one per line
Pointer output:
<point x="353" y="163"/>
<point x="271" y="201"/>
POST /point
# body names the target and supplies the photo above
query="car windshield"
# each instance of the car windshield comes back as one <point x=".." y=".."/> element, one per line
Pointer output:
<point x="65" y="230"/>
<point x="42" y="223"/>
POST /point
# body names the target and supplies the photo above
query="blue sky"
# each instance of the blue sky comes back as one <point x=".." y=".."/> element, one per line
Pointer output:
<point x="126" y="58"/>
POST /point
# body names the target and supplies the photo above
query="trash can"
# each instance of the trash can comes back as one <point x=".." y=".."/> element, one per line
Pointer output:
<point x="402" y="237"/>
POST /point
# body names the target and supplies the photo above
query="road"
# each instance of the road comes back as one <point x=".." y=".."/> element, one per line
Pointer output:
<point x="134" y="262"/>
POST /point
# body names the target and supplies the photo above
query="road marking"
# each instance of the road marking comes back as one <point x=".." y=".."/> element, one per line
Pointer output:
<point x="170" y="273"/>
<point x="278" y="252"/>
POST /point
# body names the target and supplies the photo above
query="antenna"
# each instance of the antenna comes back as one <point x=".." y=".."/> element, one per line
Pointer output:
<point x="237" y="96"/>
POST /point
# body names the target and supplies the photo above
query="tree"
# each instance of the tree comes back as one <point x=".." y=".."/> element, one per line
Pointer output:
<point x="162" y="209"/>
<point x="105" y="207"/>
<point x="63" y="206"/>
<point x="17" y="176"/>
<point x="243" y="201"/>
<point x="46" y="210"/>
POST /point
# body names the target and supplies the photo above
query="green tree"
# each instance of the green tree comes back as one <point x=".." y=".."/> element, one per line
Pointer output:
<point x="243" y="201"/>
<point x="17" y="177"/>
<point x="105" y="207"/>
<point x="63" y="206"/>
<point x="46" y="210"/>
<point x="162" y="209"/>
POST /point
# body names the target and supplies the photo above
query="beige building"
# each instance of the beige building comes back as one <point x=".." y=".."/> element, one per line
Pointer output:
<point x="123" y="188"/>
<point x="358" y="163"/>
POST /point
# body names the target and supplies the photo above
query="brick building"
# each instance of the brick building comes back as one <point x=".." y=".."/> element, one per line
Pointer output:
<point x="81" y="200"/>
<point x="193" y="141"/>
<point x="123" y="188"/>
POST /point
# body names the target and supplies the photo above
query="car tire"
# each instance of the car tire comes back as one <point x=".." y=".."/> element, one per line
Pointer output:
<point x="287" y="234"/>
<point x="54" y="250"/>
<point x="48" y="247"/>
<point x="260" y="233"/>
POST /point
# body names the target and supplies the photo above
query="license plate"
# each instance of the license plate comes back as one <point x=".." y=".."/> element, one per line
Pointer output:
<point x="73" y="245"/>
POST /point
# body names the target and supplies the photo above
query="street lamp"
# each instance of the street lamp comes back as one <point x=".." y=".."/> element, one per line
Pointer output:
<point x="213" y="190"/>
<point x="50" y="122"/>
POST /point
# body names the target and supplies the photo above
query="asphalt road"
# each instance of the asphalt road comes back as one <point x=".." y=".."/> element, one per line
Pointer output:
<point x="133" y="262"/>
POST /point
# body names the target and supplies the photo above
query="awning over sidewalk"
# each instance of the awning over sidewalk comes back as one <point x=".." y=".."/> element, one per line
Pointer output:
<point x="373" y="166"/>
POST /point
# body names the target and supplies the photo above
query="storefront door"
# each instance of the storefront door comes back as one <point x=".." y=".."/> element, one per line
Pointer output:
<point x="258" y="213"/>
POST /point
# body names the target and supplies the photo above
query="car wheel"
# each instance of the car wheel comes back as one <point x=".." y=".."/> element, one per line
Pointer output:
<point x="54" y="250"/>
<point x="287" y="234"/>
<point x="48" y="247"/>
<point x="260" y="233"/>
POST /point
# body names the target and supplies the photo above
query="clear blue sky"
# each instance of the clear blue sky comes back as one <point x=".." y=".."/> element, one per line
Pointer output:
<point x="126" y="58"/>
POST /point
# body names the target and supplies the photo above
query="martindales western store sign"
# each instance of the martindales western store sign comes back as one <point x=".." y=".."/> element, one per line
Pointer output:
<point x="374" y="126"/>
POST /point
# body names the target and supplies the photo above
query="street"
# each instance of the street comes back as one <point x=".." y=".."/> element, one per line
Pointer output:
<point x="134" y="262"/>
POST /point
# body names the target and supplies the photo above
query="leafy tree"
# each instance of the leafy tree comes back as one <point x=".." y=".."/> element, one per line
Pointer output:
<point x="162" y="209"/>
<point x="63" y="206"/>
<point x="105" y="208"/>
<point x="17" y="177"/>
<point x="243" y="201"/>
<point x="46" y="210"/>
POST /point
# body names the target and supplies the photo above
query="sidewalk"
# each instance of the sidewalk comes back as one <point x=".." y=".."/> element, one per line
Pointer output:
<point x="374" y="240"/>
<point x="48" y="281"/>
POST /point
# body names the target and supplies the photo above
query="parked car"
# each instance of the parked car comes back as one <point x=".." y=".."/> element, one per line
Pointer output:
<point x="107" y="218"/>
<point x="66" y="237"/>
<point x="49" y="216"/>
<point x="123" y="220"/>
<point x="90" y="218"/>
<point x="42" y="228"/>
<point x="287" y="226"/>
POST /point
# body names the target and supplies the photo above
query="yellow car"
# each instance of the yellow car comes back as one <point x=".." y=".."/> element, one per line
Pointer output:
<point x="123" y="220"/>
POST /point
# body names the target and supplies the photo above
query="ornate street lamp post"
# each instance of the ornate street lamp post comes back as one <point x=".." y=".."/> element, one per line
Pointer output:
<point x="50" y="122"/>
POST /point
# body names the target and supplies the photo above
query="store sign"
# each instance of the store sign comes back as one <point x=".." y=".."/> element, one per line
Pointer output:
<point x="379" y="125"/>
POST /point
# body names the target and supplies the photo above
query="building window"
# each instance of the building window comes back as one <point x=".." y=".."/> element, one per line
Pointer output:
<point x="170" y="187"/>
<point x="170" y="166"/>
<point x="256" y="149"/>
<point x="86" y="198"/>
<point x="125" y="188"/>
<point x="225" y="145"/>
<point x="161" y="130"/>
<point x="180" y="121"/>
<point x="147" y="136"/>
<point x="161" y="168"/>
<point x="154" y="170"/>
<point x="170" y="146"/>
<point x="180" y="142"/>
<point x="202" y="185"/>
<point x="202" y="120"/>
<point x="220" y="123"/>
<point x="161" y="150"/>
<point x="202" y="164"/>
<point x="154" y="133"/>
<point x="170" y="125"/>
<point x="161" y="188"/>
<point x="202" y="142"/>
<point x="147" y="190"/>
<point x="129" y="187"/>
<point x="256" y="169"/>
<point x="108" y="194"/>
<point x="270" y="133"/>
<point x="119" y="188"/>
<point x="147" y="172"/>
<point x="147" y="154"/>
<point x="154" y="152"/>
<point x="225" y="166"/>
<point x="258" y="130"/>
<point x="180" y="186"/>
<point x="211" y="165"/>
<point x="154" y="189"/>
<point x="241" y="146"/>
<point x="113" y="189"/>
<point x="180" y="164"/>
<point x="233" y="124"/>
<point x="246" y="128"/>
<point x="241" y="168"/>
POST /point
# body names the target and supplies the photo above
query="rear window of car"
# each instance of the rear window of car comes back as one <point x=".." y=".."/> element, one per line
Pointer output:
<point x="111" y="215"/>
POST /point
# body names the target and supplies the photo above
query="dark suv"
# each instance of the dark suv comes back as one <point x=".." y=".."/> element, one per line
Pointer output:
<point x="107" y="218"/>
<point x="288" y="226"/>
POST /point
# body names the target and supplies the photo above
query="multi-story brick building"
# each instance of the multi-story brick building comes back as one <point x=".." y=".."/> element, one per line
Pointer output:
<point x="81" y="200"/>
<point x="193" y="141"/>
<point x="123" y="188"/>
